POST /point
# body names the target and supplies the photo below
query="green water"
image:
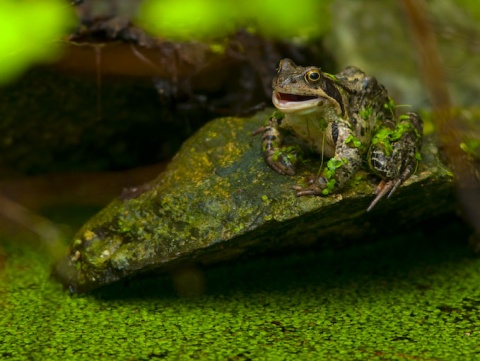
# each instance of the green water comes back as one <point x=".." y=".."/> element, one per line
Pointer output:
<point x="414" y="297"/>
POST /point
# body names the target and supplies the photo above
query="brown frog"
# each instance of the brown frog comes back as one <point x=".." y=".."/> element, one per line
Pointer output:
<point x="347" y="118"/>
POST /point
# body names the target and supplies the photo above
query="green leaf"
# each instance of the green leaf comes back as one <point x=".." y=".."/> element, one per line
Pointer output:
<point x="30" y="32"/>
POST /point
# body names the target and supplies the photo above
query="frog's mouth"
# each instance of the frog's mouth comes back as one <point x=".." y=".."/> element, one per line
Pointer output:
<point x="287" y="102"/>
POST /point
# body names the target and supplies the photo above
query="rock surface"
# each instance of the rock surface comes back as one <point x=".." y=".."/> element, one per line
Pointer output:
<point x="218" y="200"/>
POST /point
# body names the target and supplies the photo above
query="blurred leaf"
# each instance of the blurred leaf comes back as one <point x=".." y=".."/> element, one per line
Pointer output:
<point x="186" y="19"/>
<point x="287" y="19"/>
<point x="208" y="19"/>
<point x="28" y="30"/>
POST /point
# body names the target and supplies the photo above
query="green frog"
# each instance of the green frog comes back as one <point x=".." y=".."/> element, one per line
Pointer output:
<point x="347" y="118"/>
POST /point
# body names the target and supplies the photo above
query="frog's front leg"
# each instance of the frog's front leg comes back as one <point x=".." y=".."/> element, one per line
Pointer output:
<point x="394" y="154"/>
<point x="280" y="158"/>
<point x="340" y="168"/>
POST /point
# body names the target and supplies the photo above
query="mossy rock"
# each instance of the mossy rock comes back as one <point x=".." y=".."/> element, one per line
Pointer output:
<point x="218" y="200"/>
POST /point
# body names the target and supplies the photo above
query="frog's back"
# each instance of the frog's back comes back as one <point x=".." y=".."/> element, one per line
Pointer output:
<point x="357" y="81"/>
<point x="366" y="96"/>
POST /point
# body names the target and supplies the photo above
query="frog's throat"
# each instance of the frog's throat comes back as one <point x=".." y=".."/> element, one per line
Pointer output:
<point x="293" y="103"/>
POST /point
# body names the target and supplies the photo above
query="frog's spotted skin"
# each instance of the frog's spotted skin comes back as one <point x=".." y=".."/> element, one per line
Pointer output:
<point x="347" y="118"/>
<point x="394" y="154"/>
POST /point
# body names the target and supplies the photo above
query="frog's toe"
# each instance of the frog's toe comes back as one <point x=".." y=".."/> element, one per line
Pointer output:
<point x="282" y="168"/>
<point x="382" y="189"/>
<point x="396" y="183"/>
<point x="258" y="131"/>
<point x="309" y="191"/>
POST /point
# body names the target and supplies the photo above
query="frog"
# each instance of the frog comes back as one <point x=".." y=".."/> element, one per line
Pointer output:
<point x="349" y="120"/>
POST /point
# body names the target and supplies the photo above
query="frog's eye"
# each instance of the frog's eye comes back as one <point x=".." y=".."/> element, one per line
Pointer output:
<point x="312" y="76"/>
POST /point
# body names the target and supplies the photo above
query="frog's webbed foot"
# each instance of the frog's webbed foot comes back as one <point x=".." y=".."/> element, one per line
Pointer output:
<point x="281" y="161"/>
<point x="316" y="187"/>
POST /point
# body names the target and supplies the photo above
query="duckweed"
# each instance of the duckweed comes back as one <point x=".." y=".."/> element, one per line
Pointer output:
<point x="411" y="297"/>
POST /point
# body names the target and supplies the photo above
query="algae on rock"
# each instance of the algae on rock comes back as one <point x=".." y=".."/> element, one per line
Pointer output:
<point x="218" y="199"/>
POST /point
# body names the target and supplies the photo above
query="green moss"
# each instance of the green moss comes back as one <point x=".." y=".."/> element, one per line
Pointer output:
<point x="407" y="297"/>
<point x="353" y="141"/>
<point x="385" y="136"/>
<point x="366" y="113"/>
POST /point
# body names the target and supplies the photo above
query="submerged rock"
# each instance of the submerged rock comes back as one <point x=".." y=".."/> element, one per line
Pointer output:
<point x="218" y="199"/>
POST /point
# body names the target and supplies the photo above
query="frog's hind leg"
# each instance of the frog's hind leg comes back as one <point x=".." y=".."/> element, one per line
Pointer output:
<point x="394" y="154"/>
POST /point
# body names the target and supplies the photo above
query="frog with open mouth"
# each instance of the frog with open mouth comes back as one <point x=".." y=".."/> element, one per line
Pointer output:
<point x="347" y="118"/>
